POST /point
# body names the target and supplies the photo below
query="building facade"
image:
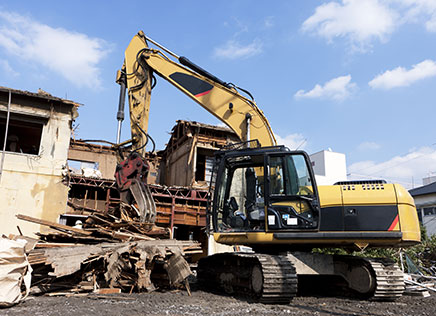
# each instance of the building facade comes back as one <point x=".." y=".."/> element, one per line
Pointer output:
<point x="425" y="201"/>
<point x="35" y="131"/>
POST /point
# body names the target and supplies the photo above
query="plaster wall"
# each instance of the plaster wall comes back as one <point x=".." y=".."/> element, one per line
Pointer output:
<point x="32" y="184"/>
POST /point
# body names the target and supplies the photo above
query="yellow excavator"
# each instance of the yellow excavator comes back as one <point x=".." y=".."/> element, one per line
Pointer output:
<point x="265" y="196"/>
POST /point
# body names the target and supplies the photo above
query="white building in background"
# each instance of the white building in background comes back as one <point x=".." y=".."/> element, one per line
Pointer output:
<point x="329" y="167"/>
<point x="425" y="201"/>
<point x="429" y="179"/>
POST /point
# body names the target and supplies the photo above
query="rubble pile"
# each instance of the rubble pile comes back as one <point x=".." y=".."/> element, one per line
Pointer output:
<point x="100" y="227"/>
<point x="106" y="254"/>
<point x="420" y="279"/>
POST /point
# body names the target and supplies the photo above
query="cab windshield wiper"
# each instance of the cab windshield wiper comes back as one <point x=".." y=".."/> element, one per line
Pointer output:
<point x="305" y="197"/>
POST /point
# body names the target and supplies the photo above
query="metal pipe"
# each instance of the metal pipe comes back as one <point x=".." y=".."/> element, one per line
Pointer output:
<point x="420" y="284"/>
<point x="186" y="62"/>
<point x="162" y="47"/>
<point x="6" y="135"/>
<point x="121" y="102"/>
<point x="119" y="131"/>
<point x="248" y="121"/>
<point x="122" y="144"/>
<point x="401" y="260"/>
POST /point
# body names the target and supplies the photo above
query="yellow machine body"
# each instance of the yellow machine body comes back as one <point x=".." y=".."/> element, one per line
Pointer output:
<point x="359" y="215"/>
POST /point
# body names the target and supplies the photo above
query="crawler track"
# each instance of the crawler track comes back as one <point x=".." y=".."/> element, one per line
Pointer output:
<point x="389" y="280"/>
<point x="379" y="278"/>
<point x="268" y="279"/>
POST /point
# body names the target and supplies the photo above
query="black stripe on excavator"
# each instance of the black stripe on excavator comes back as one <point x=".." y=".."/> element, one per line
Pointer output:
<point x="358" y="217"/>
<point x="195" y="86"/>
<point x="339" y="235"/>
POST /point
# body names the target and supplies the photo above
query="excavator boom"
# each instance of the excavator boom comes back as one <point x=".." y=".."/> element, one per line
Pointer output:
<point x="219" y="98"/>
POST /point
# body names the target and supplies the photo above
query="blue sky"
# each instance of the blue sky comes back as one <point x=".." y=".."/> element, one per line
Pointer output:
<point x="358" y="77"/>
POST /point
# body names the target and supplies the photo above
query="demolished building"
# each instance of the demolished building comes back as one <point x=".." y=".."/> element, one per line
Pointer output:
<point x="189" y="153"/>
<point x="38" y="177"/>
<point x="47" y="177"/>
<point x="36" y="128"/>
<point x="63" y="191"/>
<point x="178" y="178"/>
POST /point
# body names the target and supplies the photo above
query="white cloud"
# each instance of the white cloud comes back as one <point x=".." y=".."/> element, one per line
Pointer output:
<point x="235" y="50"/>
<point x="420" y="11"/>
<point x="6" y="68"/>
<point x="431" y="24"/>
<point x="401" y="77"/>
<point x="365" y="146"/>
<point x="75" y="56"/>
<point x="337" y="89"/>
<point x="359" y="21"/>
<point x="400" y="169"/>
<point x="292" y="141"/>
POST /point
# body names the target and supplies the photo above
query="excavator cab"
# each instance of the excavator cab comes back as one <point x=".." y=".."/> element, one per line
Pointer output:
<point x="265" y="189"/>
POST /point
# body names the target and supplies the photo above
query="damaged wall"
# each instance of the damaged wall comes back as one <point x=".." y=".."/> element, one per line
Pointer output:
<point x="31" y="180"/>
<point x="180" y="165"/>
<point x="190" y="150"/>
<point x="105" y="159"/>
<point x="103" y="156"/>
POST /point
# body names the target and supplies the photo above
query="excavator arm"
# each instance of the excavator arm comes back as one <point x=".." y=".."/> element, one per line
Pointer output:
<point x="219" y="98"/>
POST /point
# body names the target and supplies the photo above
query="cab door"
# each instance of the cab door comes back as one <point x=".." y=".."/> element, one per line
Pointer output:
<point x="291" y="200"/>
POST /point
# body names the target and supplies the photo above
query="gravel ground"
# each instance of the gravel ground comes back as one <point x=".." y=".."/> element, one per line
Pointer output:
<point x="204" y="303"/>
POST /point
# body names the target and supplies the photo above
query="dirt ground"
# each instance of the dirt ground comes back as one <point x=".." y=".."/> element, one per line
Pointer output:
<point x="204" y="303"/>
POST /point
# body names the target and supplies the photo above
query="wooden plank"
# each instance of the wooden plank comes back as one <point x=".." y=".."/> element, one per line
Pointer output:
<point x="108" y="291"/>
<point x="122" y="236"/>
<point x="55" y="245"/>
<point x="53" y="224"/>
<point x="101" y="219"/>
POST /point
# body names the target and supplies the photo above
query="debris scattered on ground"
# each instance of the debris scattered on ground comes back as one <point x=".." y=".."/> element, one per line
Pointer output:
<point x="129" y="266"/>
<point x="100" y="227"/>
<point x="105" y="255"/>
<point x="417" y="284"/>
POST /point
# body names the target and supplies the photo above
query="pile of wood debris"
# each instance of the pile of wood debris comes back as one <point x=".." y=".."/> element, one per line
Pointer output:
<point x="99" y="227"/>
<point x="106" y="255"/>
<point x="417" y="283"/>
